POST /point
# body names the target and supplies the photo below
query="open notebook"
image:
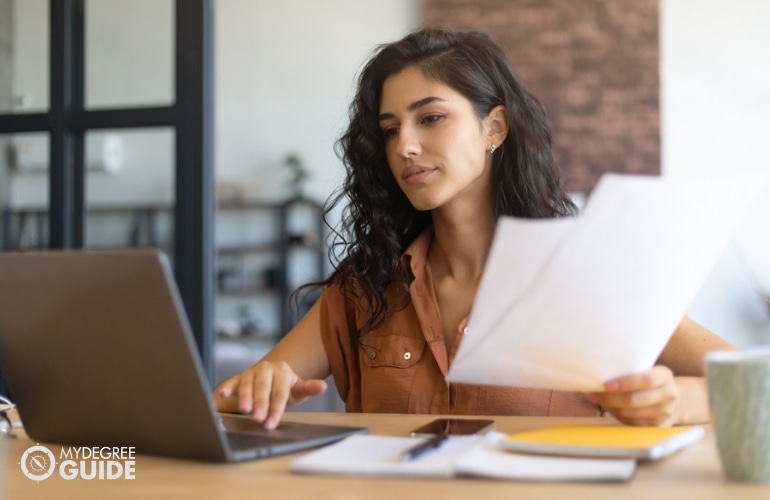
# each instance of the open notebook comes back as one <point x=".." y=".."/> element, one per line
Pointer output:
<point x="97" y="351"/>
<point x="476" y="456"/>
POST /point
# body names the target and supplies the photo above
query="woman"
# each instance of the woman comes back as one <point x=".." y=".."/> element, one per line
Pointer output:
<point x="443" y="139"/>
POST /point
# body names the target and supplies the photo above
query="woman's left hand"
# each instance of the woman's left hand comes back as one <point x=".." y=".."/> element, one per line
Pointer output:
<point x="651" y="397"/>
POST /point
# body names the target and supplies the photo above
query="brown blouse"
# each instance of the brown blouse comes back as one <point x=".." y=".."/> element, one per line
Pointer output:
<point x="400" y="366"/>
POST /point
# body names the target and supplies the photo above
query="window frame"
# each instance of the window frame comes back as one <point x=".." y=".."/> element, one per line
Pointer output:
<point x="190" y="116"/>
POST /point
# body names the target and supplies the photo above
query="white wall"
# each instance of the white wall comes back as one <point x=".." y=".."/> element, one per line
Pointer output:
<point x="284" y="74"/>
<point x="715" y="109"/>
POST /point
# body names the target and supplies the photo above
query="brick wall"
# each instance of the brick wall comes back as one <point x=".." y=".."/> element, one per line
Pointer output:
<point x="593" y="63"/>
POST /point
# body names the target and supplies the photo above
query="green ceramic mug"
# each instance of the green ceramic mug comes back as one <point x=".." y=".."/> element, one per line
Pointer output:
<point x="739" y="397"/>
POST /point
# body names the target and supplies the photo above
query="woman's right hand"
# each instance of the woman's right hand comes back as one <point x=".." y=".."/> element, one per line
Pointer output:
<point x="264" y="391"/>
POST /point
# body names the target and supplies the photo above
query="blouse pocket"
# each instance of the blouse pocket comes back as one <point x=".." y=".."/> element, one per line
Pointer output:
<point x="389" y="373"/>
<point x="393" y="351"/>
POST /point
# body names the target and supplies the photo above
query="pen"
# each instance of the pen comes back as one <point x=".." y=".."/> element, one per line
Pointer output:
<point x="424" y="447"/>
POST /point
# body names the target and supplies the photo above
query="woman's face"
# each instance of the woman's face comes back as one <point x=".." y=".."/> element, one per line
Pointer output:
<point x="436" y="146"/>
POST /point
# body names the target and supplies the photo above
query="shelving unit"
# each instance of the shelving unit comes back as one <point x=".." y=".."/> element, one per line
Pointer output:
<point x="267" y="265"/>
<point x="148" y="225"/>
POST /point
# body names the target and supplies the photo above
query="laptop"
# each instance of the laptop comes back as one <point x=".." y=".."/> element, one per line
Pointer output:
<point x="97" y="350"/>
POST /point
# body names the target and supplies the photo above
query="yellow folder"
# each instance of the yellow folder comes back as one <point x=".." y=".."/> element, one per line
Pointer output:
<point x="649" y="443"/>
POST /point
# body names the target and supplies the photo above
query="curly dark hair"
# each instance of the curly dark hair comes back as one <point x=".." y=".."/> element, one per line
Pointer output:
<point x="378" y="222"/>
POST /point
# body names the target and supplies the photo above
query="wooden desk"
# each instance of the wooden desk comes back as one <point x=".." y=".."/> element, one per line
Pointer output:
<point x="694" y="473"/>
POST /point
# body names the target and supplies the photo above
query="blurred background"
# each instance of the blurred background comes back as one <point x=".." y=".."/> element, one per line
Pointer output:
<point x="669" y="87"/>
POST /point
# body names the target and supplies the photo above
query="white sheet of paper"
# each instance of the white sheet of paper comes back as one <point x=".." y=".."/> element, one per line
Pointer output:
<point x="568" y="304"/>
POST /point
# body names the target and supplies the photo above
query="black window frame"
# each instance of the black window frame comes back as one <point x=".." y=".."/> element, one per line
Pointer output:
<point x="190" y="115"/>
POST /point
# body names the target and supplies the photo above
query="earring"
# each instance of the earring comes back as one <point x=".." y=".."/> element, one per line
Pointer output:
<point x="492" y="149"/>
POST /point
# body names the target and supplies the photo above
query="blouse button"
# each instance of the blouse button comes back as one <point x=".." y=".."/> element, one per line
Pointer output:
<point x="372" y="355"/>
<point x="407" y="355"/>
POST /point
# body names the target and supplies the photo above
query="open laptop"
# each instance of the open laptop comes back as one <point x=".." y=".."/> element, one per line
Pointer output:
<point x="97" y="351"/>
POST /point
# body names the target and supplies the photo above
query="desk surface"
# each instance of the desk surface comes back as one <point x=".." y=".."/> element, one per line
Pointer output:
<point x="692" y="473"/>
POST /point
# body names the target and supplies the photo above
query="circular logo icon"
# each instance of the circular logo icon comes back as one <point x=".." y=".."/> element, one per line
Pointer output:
<point x="38" y="463"/>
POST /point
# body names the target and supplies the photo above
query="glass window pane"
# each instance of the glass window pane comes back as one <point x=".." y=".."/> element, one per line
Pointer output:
<point x="129" y="188"/>
<point x="24" y="191"/>
<point x="24" y="56"/>
<point x="129" y="53"/>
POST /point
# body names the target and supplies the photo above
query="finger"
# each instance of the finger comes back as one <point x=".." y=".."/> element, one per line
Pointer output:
<point x="654" y="377"/>
<point x="631" y="399"/>
<point x="652" y="407"/>
<point x="263" y="380"/>
<point x="245" y="392"/>
<point x="283" y="381"/>
<point x="253" y="390"/>
<point x="304" y="389"/>
<point x="298" y="391"/>
<point x="226" y="404"/>
<point x="662" y="414"/>
<point x="227" y="387"/>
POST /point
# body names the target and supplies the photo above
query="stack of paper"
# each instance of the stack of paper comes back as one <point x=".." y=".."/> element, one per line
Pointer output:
<point x="568" y="304"/>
